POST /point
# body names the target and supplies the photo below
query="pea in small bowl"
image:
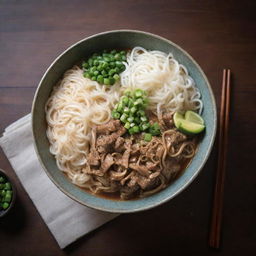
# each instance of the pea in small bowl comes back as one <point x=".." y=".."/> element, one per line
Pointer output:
<point x="7" y="193"/>
<point x="82" y="50"/>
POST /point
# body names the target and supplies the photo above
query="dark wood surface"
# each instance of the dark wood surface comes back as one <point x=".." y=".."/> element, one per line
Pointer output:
<point x="218" y="34"/>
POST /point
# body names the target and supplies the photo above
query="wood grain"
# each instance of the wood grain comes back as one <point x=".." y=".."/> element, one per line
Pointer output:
<point x="218" y="34"/>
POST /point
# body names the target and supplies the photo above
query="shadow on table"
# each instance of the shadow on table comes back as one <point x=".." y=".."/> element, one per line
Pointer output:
<point x="15" y="220"/>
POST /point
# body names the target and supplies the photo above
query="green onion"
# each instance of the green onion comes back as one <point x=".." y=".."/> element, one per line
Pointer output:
<point x="116" y="77"/>
<point x="127" y="125"/>
<point x="141" y="112"/>
<point x="123" y="118"/>
<point x="133" y="109"/>
<point x="100" y="79"/>
<point x="145" y="126"/>
<point x="131" y="131"/>
<point x="126" y="110"/>
<point x="147" y="137"/>
<point x="120" y="107"/>
<point x="138" y="93"/>
<point x="125" y="100"/>
<point x="116" y="115"/>
<point x="130" y="119"/>
<point x="143" y="119"/>
<point x="138" y="102"/>
<point x="111" y="80"/>
<point x="127" y="92"/>
<point x="136" y="129"/>
<point x="137" y="120"/>
<point x="106" y="81"/>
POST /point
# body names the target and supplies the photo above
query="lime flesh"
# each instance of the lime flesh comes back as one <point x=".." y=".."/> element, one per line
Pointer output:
<point x="194" y="117"/>
<point x="190" y="127"/>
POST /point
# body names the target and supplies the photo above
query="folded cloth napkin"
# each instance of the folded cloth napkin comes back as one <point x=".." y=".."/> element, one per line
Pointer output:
<point x="66" y="219"/>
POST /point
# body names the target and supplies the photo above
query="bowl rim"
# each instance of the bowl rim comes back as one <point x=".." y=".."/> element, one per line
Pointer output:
<point x="183" y="186"/>
<point x="4" y="212"/>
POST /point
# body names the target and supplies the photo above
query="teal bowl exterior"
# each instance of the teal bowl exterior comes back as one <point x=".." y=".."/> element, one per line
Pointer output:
<point x="120" y="39"/>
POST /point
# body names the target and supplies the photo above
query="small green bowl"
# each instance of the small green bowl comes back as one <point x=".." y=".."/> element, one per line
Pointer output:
<point x="120" y="39"/>
<point x="4" y="212"/>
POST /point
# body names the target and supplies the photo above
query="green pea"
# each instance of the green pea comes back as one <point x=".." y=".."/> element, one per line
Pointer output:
<point x="8" y="186"/>
<point x="5" y="205"/>
<point x="8" y="198"/>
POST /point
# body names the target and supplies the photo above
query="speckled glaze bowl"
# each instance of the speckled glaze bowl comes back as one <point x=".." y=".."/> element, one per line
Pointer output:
<point x="121" y="39"/>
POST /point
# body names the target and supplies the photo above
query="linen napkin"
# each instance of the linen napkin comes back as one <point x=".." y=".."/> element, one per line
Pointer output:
<point x="66" y="219"/>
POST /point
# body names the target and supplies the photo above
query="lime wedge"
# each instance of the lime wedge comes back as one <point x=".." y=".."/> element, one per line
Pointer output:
<point x="192" y="116"/>
<point x="190" y="128"/>
<point x="191" y="123"/>
<point x="177" y="118"/>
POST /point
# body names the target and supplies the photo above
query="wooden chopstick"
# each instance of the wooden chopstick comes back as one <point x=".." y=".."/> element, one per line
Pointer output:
<point x="216" y="221"/>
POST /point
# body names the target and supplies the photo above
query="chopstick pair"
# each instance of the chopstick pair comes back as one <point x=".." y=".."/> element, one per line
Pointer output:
<point x="215" y="232"/>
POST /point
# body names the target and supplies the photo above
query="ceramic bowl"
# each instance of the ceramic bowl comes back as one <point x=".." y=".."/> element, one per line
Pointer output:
<point x="8" y="179"/>
<point x="121" y="39"/>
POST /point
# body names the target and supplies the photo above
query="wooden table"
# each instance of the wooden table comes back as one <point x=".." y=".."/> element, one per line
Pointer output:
<point x="218" y="34"/>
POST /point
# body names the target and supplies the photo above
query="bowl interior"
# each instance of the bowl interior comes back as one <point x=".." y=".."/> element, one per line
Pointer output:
<point x="120" y="40"/>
